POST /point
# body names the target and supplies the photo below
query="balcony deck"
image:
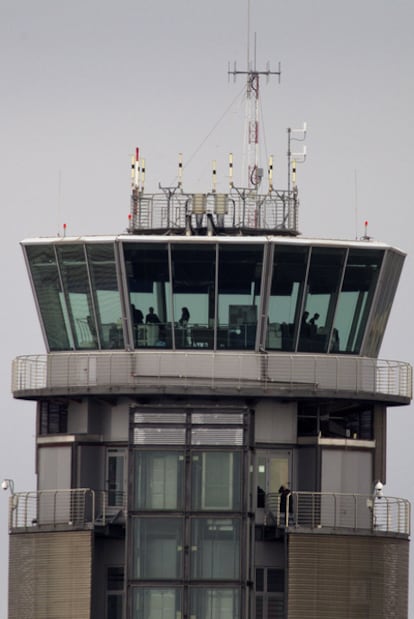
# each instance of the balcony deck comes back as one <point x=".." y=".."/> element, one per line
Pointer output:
<point x="208" y="372"/>
<point x="318" y="512"/>
<point x="329" y="512"/>
<point x="80" y="508"/>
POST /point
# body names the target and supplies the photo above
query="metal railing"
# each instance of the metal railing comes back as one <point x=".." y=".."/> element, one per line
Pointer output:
<point x="318" y="510"/>
<point x="79" y="508"/>
<point x="241" y="209"/>
<point x="273" y="371"/>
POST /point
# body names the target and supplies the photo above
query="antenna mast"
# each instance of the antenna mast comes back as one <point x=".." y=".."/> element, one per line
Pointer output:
<point x="254" y="173"/>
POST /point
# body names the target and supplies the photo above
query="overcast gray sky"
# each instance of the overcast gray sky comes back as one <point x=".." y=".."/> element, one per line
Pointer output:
<point x="84" y="82"/>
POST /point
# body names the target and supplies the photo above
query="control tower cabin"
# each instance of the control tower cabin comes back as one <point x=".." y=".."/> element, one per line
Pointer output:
<point x="211" y="418"/>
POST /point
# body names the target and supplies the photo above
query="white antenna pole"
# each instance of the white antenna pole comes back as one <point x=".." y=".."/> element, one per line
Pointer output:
<point x="297" y="135"/>
<point x="142" y="174"/>
<point x="270" y="173"/>
<point x="59" y="210"/>
<point x="180" y="169"/>
<point x="231" y="170"/>
<point x="214" y="176"/>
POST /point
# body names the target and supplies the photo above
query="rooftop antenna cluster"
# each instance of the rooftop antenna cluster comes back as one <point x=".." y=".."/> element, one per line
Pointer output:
<point x="252" y="73"/>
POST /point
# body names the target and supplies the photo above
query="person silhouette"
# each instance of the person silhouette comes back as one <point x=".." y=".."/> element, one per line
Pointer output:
<point x="137" y="315"/>
<point x="151" y="317"/>
<point x="185" y="317"/>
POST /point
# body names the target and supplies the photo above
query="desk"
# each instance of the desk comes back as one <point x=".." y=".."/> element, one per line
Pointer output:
<point x="202" y="337"/>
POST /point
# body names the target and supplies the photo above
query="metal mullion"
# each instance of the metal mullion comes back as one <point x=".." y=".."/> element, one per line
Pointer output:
<point x="338" y="293"/>
<point x="65" y="296"/>
<point x="124" y="294"/>
<point x="95" y="316"/>
<point x="265" y="289"/>
<point x="170" y="275"/>
<point x="298" y="321"/>
<point x="378" y="285"/>
<point x="215" y="321"/>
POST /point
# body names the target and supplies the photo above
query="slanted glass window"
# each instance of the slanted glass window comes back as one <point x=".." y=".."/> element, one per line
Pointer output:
<point x="156" y="603"/>
<point x="50" y="297"/>
<point x="289" y="272"/>
<point x="239" y="280"/>
<point x="215" y="603"/>
<point x="158" y="480"/>
<point x="194" y="275"/>
<point x="158" y="548"/>
<point x="106" y="295"/>
<point x="149" y="287"/>
<point x="215" y="481"/>
<point x="322" y="287"/>
<point x="75" y="279"/>
<point x="355" y="300"/>
<point x="215" y="549"/>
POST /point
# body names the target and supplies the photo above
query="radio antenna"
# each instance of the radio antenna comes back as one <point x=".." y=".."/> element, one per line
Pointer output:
<point x="253" y="74"/>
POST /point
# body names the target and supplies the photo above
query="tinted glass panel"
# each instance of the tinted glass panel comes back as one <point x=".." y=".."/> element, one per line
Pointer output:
<point x="106" y="295"/>
<point x="150" y="294"/>
<point x="52" y="305"/>
<point x="158" y="548"/>
<point x="289" y="272"/>
<point x="216" y="481"/>
<point x="114" y="606"/>
<point x="156" y="604"/>
<point x="115" y="578"/>
<point x="194" y="272"/>
<point x="354" y="421"/>
<point x="322" y="286"/>
<point x="215" y="603"/>
<point x="158" y="480"/>
<point x="275" y="580"/>
<point x="360" y="279"/>
<point x="240" y="271"/>
<point x="259" y="579"/>
<point x="78" y="293"/>
<point x="215" y="546"/>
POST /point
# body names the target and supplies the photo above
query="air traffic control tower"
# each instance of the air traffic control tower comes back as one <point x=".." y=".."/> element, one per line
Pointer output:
<point x="211" y="420"/>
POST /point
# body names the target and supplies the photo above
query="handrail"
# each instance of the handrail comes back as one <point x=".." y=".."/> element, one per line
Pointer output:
<point x="78" y="508"/>
<point x="276" y="210"/>
<point x="86" y="508"/>
<point x="333" y="510"/>
<point x="271" y="371"/>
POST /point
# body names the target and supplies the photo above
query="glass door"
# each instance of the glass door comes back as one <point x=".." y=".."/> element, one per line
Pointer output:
<point x="273" y="470"/>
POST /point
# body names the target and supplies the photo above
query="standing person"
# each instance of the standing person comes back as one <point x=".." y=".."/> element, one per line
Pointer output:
<point x="137" y="315"/>
<point x="151" y="317"/>
<point x="313" y="325"/>
<point x="185" y="316"/>
<point x="285" y="505"/>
